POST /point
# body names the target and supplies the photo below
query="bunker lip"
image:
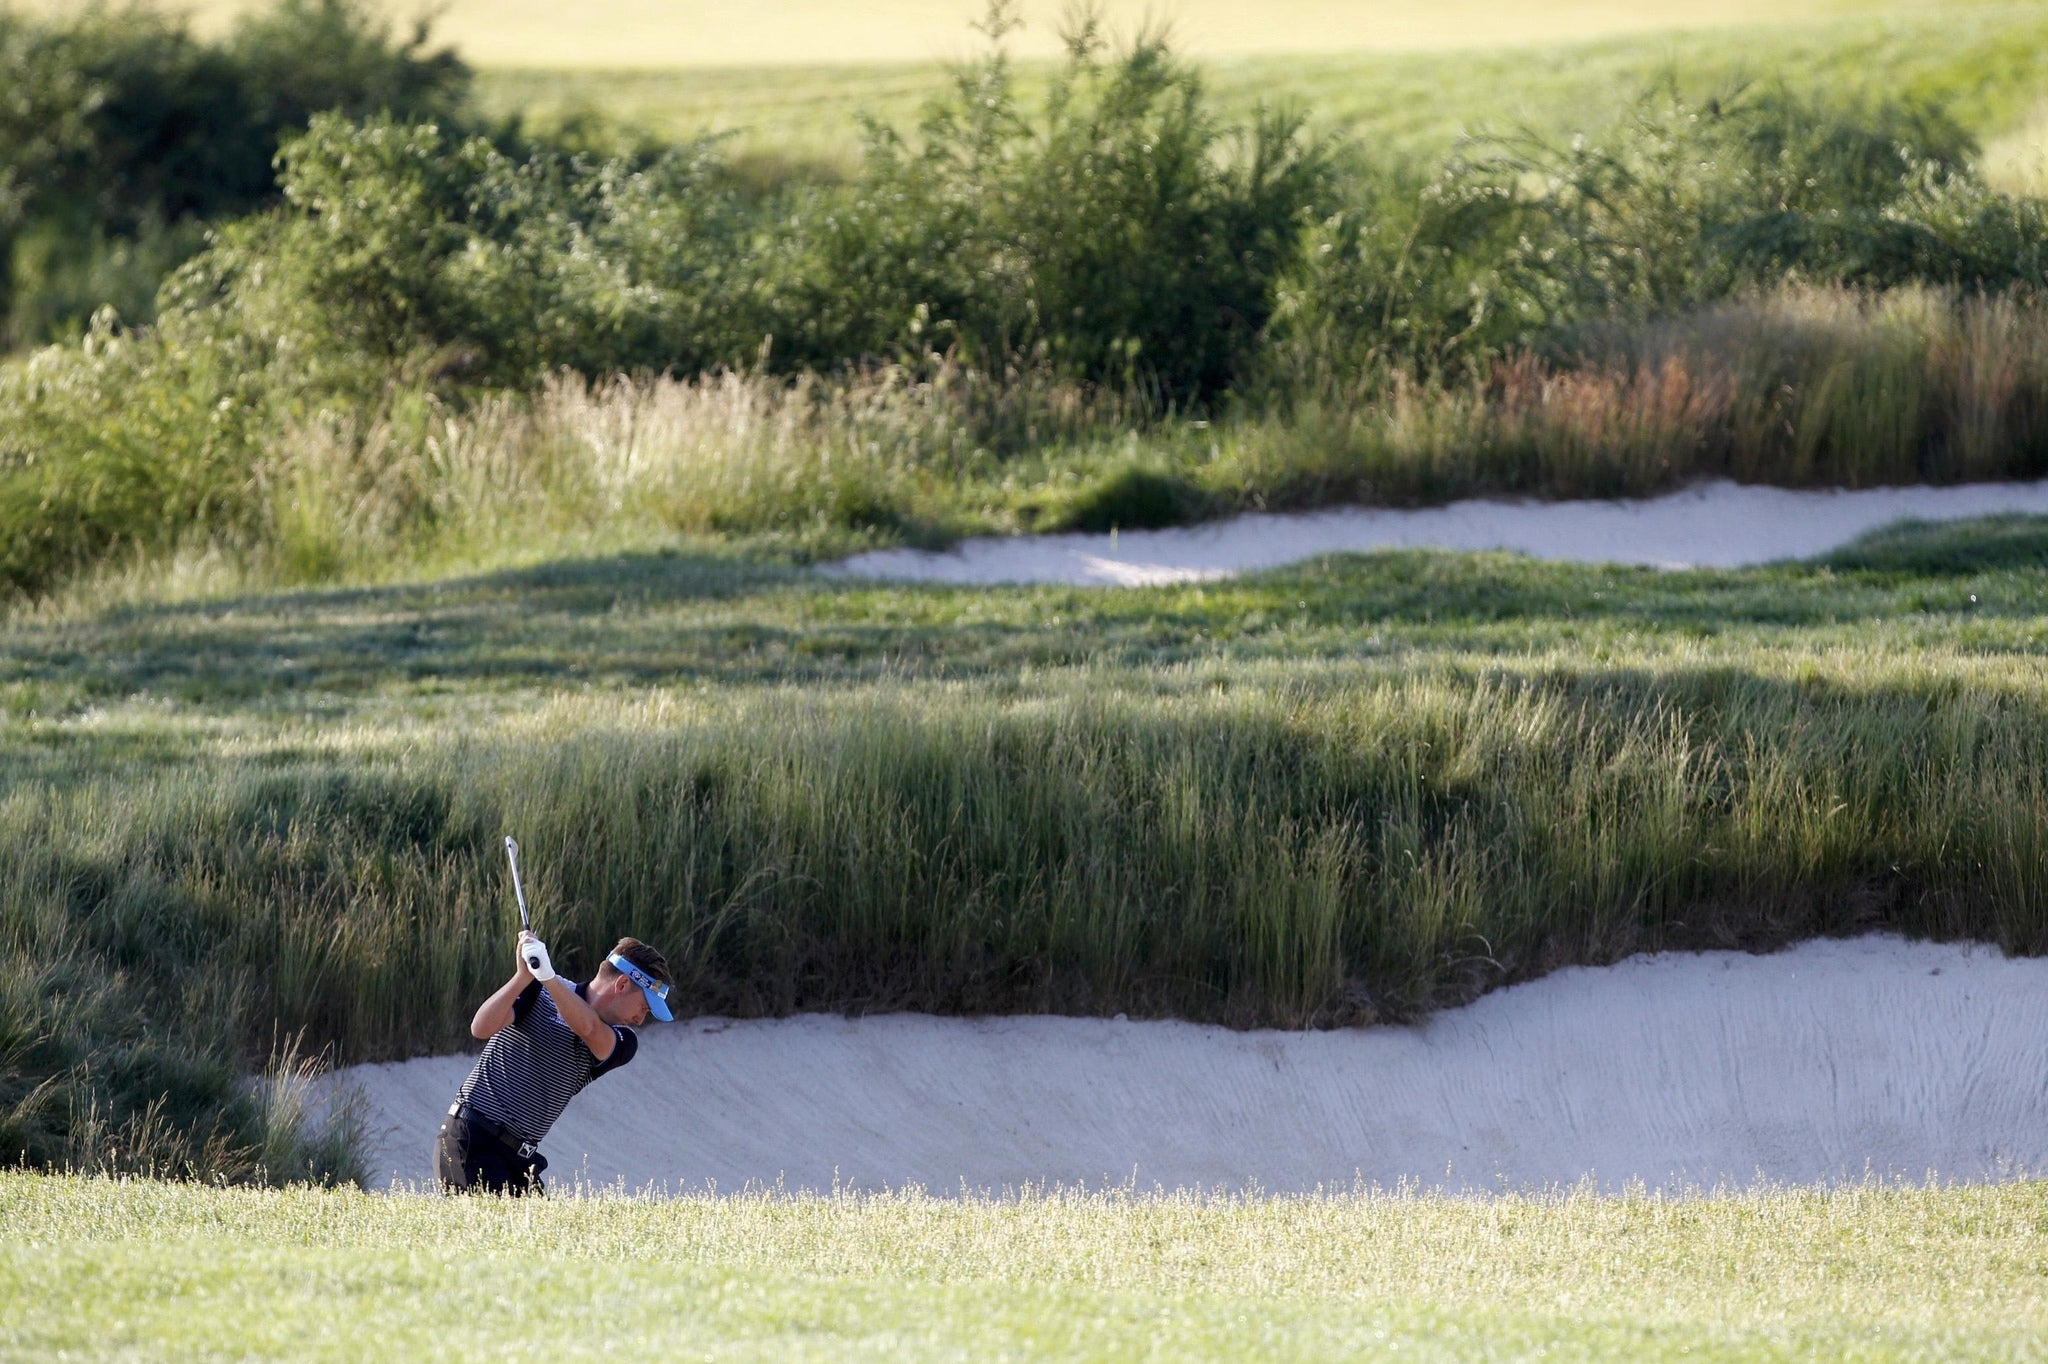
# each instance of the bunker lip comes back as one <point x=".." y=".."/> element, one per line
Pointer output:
<point x="1709" y="525"/>
<point x="1834" y="1061"/>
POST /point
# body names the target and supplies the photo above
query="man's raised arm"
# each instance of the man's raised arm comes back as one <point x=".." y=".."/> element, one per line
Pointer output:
<point x="494" y="1015"/>
<point x="582" y="1019"/>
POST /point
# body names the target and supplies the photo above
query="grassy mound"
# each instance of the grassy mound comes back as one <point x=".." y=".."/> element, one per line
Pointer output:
<point x="1353" y="791"/>
<point x="1987" y="545"/>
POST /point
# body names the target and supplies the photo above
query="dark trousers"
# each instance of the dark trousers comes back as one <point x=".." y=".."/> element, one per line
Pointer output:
<point x="470" y="1159"/>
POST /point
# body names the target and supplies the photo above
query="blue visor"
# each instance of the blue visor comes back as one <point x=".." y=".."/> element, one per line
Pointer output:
<point x="656" y="992"/>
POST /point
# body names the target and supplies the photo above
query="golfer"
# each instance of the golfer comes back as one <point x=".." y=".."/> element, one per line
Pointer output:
<point x="545" y="1038"/>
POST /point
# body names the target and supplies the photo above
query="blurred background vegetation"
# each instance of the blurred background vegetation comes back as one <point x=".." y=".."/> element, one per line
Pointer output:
<point x="258" y="284"/>
<point x="391" y="454"/>
<point x="122" y="136"/>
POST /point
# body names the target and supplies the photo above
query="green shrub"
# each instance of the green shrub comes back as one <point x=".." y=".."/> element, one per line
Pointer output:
<point x="402" y="244"/>
<point x="120" y="127"/>
<point x="1524" y="243"/>
<point x="1121" y="234"/>
<point x="63" y="271"/>
<point x="122" y="442"/>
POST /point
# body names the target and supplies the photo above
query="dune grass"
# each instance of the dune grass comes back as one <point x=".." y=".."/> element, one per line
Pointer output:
<point x="247" y="822"/>
<point x="1800" y="387"/>
<point x="178" y="1271"/>
<point x="1351" y="791"/>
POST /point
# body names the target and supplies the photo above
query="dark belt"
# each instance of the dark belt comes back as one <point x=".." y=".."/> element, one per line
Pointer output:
<point x="494" y="1129"/>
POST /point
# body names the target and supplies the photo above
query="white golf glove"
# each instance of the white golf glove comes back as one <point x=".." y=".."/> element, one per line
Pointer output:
<point x="534" y="953"/>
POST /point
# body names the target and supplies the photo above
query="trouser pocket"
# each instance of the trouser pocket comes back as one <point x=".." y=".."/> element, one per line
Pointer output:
<point x="469" y="1161"/>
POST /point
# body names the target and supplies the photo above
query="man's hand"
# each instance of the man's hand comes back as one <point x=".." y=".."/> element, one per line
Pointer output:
<point x="533" y="957"/>
<point x="495" y="1014"/>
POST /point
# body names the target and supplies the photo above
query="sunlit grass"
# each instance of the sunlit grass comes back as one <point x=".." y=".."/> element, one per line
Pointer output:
<point x="1799" y="387"/>
<point x="791" y="79"/>
<point x="1984" y="61"/>
<point x="643" y="33"/>
<point x="161" y="1271"/>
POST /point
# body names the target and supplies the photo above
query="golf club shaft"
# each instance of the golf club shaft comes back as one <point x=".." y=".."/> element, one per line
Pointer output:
<point x="512" y="854"/>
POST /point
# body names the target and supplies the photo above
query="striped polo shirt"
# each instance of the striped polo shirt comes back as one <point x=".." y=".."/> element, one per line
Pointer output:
<point x="532" y="1068"/>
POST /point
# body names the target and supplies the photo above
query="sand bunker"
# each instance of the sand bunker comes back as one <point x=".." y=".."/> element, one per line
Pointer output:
<point x="1832" y="1061"/>
<point x="1712" y="525"/>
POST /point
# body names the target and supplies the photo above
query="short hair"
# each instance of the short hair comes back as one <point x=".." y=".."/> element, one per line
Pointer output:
<point x="642" y="956"/>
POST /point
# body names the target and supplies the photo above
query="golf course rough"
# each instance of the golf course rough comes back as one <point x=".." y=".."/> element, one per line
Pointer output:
<point x="140" y="1270"/>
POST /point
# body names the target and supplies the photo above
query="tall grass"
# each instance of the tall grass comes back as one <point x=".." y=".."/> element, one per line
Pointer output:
<point x="1295" y="855"/>
<point x="814" y="462"/>
<point x="1795" y="387"/>
<point x="1369" y="789"/>
<point x="1798" y="387"/>
<point x="1839" y="388"/>
<point x="94" y="1081"/>
<point x="123" y="135"/>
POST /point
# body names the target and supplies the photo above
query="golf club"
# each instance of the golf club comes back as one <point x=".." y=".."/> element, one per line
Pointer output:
<point x="534" y="954"/>
<point x="512" y="855"/>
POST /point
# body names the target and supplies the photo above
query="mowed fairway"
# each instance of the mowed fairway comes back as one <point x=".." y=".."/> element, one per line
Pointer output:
<point x="791" y="82"/>
<point x="93" y="1269"/>
<point x="1985" y="63"/>
<point x="657" y="33"/>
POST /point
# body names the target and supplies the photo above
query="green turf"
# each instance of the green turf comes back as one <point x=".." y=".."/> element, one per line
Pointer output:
<point x="1988" y="63"/>
<point x="149" y="1271"/>
<point x="179" y="680"/>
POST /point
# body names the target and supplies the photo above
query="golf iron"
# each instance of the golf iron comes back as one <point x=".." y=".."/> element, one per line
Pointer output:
<point x="535" y="955"/>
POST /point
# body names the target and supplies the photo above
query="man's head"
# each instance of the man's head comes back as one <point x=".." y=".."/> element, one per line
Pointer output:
<point x="633" y="982"/>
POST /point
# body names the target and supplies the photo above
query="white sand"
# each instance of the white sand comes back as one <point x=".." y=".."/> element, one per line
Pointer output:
<point x="1831" y="1061"/>
<point x="1712" y="525"/>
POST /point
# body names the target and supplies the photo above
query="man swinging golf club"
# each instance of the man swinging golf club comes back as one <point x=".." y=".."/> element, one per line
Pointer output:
<point x="545" y="1038"/>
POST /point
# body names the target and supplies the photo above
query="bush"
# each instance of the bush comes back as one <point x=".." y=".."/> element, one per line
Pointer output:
<point x="402" y="243"/>
<point x="62" y="271"/>
<point x="122" y="441"/>
<point x="1122" y="234"/>
<point x="119" y="126"/>
<point x="1523" y="244"/>
<point x="1111" y="241"/>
